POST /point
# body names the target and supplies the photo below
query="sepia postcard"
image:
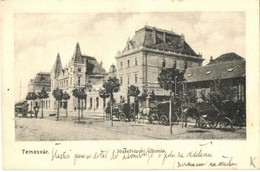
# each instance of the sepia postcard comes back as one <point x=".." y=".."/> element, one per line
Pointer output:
<point x="130" y="84"/>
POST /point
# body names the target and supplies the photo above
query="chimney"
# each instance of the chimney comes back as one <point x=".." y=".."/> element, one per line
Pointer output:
<point x="182" y="40"/>
<point x="154" y="35"/>
<point x="101" y="63"/>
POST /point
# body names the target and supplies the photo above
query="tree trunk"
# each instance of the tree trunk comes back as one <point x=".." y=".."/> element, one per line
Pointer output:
<point x="111" y="110"/>
<point x="170" y="114"/>
<point x="79" y="110"/>
<point x="58" y="110"/>
<point x="104" y="106"/>
<point x="66" y="108"/>
<point x="182" y="116"/>
<point x="134" y="106"/>
<point x="147" y="102"/>
<point x="42" y="108"/>
<point x="31" y="108"/>
<point x="82" y="108"/>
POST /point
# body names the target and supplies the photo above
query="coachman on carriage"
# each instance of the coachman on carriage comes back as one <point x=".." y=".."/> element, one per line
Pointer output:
<point x="228" y="115"/>
<point x="122" y="111"/>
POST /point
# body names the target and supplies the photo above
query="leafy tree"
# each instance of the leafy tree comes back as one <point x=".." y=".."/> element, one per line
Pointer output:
<point x="31" y="96"/>
<point x="172" y="79"/>
<point x="190" y="96"/>
<point x="110" y="87"/>
<point x="42" y="95"/>
<point x="134" y="92"/>
<point x="66" y="97"/>
<point x="150" y="93"/>
<point x="58" y="95"/>
<point x="104" y="95"/>
<point x="221" y="91"/>
<point x="80" y="94"/>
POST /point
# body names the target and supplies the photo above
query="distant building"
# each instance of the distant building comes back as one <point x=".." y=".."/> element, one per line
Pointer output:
<point x="229" y="67"/>
<point x="41" y="81"/>
<point x="97" y="104"/>
<point x="150" y="50"/>
<point x="82" y="71"/>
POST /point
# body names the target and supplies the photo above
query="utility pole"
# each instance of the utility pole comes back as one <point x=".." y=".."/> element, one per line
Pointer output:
<point x="170" y="112"/>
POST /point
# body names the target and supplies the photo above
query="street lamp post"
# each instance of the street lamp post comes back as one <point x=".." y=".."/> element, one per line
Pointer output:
<point x="183" y="90"/>
<point x="148" y="100"/>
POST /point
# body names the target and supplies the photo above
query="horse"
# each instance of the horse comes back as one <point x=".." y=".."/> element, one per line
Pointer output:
<point x="190" y="112"/>
<point x="145" y="113"/>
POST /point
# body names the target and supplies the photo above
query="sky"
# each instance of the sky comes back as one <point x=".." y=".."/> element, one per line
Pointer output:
<point x="39" y="37"/>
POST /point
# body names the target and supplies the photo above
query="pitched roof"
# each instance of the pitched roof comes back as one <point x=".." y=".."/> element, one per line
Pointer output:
<point x="164" y="40"/>
<point x="77" y="58"/>
<point x="98" y="69"/>
<point x="225" y="70"/>
<point x="42" y="78"/>
<point x="225" y="58"/>
<point x="112" y="69"/>
<point x="93" y="67"/>
<point x="57" y="68"/>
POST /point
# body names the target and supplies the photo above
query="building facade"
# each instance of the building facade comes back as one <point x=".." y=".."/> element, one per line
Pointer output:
<point x="41" y="81"/>
<point x="150" y="50"/>
<point x="228" y="68"/>
<point x="82" y="71"/>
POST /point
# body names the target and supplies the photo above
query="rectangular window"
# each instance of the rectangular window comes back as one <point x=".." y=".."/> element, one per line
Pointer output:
<point x="135" y="78"/>
<point x="163" y="63"/>
<point x="78" y="80"/>
<point x="128" y="63"/>
<point x="128" y="79"/>
<point x="121" y="80"/>
<point x="136" y="61"/>
<point x="70" y="81"/>
<point x="121" y="65"/>
<point x="79" y="69"/>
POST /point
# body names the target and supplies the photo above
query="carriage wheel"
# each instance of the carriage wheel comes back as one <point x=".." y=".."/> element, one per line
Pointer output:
<point x="225" y="123"/>
<point x="163" y="120"/>
<point x="150" y="120"/>
<point x="122" y="117"/>
<point x="202" y="123"/>
<point x="237" y="123"/>
<point x="132" y="116"/>
<point x="212" y="123"/>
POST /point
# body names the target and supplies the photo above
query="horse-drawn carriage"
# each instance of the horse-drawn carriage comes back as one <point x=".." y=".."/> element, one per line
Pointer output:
<point x="121" y="111"/>
<point x="228" y="115"/>
<point x="21" y="108"/>
<point x="160" y="113"/>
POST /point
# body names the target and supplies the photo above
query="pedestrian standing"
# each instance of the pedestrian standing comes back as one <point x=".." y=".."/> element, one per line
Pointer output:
<point x="36" y="110"/>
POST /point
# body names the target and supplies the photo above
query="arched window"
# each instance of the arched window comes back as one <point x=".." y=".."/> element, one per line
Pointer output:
<point x="163" y="63"/>
<point x="97" y="102"/>
<point x="90" y="100"/>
